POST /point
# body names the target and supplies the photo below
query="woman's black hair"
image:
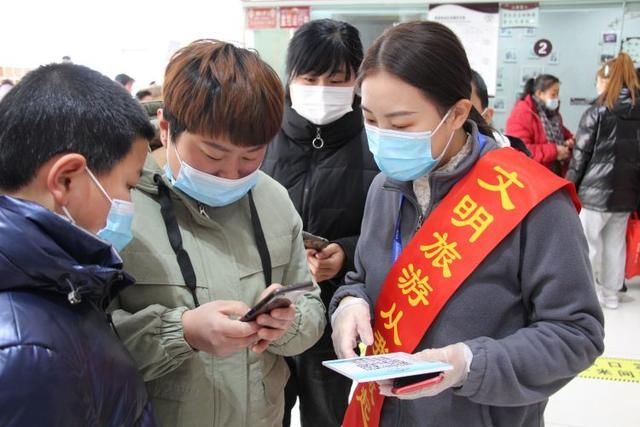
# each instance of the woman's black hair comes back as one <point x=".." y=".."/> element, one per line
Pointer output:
<point x="541" y="83"/>
<point x="324" y="46"/>
<point x="481" y="88"/>
<point x="428" y="56"/>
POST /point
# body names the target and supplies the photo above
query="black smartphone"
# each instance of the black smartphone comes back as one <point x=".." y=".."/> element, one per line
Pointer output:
<point x="414" y="383"/>
<point x="279" y="298"/>
<point x="314" y="242"/>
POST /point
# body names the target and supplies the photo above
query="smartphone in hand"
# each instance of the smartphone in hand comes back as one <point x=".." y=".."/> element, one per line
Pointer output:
<point x="314" y="242"/>
<point x="415" y="383"/>
<point x="279" y="298"/>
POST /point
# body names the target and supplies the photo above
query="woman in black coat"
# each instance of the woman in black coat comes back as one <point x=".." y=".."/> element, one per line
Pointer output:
<point x="321" y="156"/>
<point x="605" y="168"/>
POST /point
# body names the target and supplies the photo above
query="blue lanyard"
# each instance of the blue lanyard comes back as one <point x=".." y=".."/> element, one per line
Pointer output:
<point x="396" y="247"/>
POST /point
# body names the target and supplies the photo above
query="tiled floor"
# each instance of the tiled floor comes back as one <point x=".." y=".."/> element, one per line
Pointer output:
<point x="597" y="403"/>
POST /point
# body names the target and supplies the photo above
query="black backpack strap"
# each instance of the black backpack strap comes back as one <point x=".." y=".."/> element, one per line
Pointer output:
<point x="261" y="242"/>
<point x="175" y="238"/>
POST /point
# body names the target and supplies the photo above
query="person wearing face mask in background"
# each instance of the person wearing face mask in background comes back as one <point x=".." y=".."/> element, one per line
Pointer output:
<point x="213" y="235"/>
<point x="68" y="160"/>
<point x="536" y="120"/>
<point x="320" y="155"/>
<point x="605" y="167"/>
<point x="454" y="262"/>
<point x="480" y="100"/>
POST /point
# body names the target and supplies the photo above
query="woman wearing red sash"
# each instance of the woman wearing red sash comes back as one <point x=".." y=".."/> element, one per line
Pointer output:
<point x="469" y="254"/>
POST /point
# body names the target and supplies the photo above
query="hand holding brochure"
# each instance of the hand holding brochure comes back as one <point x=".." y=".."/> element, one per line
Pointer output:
<point x="383" y="367"/>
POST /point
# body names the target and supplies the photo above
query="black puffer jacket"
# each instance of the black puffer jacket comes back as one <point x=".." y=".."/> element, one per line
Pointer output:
<point x="61" y="364"/>
<point x="327" y="185"/>
<point x="606" y="159"/>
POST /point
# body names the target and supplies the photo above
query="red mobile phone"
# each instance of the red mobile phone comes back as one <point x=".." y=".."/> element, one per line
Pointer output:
<point x="416" y="383"/>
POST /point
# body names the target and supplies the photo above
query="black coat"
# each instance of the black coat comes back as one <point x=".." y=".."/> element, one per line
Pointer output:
<point x="606" y="159"/>
<point x="327" y="185"/>
<point x="61" y="364"/>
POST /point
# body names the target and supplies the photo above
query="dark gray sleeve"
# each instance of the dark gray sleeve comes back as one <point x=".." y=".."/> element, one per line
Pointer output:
<point x="565" y="332"/>
<point x="585" y="141"/>
<point x="353" y="287"/>
<point x="348" y="245"/>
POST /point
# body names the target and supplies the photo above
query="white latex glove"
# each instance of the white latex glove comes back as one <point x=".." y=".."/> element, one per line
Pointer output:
<point x="350" y="321"/>
<point x="457" y="355"/>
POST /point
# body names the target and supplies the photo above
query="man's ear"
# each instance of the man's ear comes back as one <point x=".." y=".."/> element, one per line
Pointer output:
<point x="63" y="177"/>
<point x="164" y="127"/>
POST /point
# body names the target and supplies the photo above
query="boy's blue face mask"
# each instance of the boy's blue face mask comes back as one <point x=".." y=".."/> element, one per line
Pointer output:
<point x="404" y="156"/>
<point x="119" y="220"/>
<point x="209" y="189"/>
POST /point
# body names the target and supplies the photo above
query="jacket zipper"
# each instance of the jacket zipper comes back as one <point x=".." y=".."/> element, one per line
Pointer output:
<point x="307" y="178"/>
<point x="415" y="205"/>
<point x="203" y="210"/>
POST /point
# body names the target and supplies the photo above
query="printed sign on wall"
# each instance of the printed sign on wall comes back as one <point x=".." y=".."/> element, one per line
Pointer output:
<point x="519" y="15"/>
<point x="476" y="25"/>
<point x="262" y="18"/>
<point x="294" y="17"/>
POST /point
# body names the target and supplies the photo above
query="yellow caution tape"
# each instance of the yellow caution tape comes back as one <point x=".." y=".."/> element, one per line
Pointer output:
<point x="613" y="369"/>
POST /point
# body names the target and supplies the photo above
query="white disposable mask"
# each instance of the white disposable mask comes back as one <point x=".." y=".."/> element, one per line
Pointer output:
<point x="321" y="104"/>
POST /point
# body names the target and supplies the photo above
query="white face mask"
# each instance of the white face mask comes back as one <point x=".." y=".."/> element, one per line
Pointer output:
<point x="321" y="104"/>
<point x="552" y="104"/>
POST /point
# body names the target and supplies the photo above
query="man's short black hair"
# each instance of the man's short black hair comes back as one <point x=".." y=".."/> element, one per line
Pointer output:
<point x="123" y="79"/>
<point x="66" y="108"/>
<point x="481" y="88"/>
<point x="141" y="94"/>
<point x="323" y="46"/>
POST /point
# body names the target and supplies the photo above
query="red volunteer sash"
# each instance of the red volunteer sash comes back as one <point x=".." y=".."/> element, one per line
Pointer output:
<point x="477" y="214"/>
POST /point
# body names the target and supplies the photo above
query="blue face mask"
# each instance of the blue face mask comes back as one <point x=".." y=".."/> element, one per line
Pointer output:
<point x="119" y="220"/>
<point x="404" y="156"/>
<point x="209" y="189"/>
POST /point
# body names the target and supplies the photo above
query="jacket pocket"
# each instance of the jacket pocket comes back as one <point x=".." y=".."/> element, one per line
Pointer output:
<point x="279" y="253"/>
<point x="158" y="281"/>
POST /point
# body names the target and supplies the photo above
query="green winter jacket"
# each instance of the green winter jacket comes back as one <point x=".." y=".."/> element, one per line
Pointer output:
<point x="191" y="388"/>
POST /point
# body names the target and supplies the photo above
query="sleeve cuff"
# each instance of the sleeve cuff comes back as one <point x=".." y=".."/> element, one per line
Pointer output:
<point x="477" y="365"/>
<point x="171" y="334"/>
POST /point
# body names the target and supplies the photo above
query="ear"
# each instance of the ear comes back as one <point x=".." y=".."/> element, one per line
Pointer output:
<point x="488" y="115"/>
<point x="460" y="113"/>
<point x="164" y="127"/>
<point x="63" y="177"/>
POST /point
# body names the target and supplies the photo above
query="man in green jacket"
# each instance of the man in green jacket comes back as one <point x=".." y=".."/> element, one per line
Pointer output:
<point x="211" y="235"/>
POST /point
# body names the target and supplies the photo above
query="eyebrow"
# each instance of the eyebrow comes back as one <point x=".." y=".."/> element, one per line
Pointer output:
<point x="392" y="115"/>
<point x="226" y="150"/>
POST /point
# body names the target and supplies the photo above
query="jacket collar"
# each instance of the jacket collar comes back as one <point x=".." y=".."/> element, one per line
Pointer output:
<point x="41" y="250"/>
<point x="335" y="134"/>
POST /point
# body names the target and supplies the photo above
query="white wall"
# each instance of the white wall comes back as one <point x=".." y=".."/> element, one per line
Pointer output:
<point x="135" y="37"/>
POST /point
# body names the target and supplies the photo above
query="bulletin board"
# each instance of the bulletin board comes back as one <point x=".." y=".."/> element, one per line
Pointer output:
<point x="477" y="27"/>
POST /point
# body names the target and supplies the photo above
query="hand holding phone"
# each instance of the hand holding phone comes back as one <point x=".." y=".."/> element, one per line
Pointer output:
<point x="282" y="297"/>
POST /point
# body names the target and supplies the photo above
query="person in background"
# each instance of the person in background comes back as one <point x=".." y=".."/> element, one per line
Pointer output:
<point x="605" y="167"/>
<point x="536" y="120"/>
<point x="321" y="156"/>
<point x="144" y="95"/>
<point x="5" y="86"/>
<point x="480" y="101"/>
<point x="438" y="269"/>
<point x="213" y="236"/>
<point x="126" y="81"/>
<point x="68" y="160"/>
